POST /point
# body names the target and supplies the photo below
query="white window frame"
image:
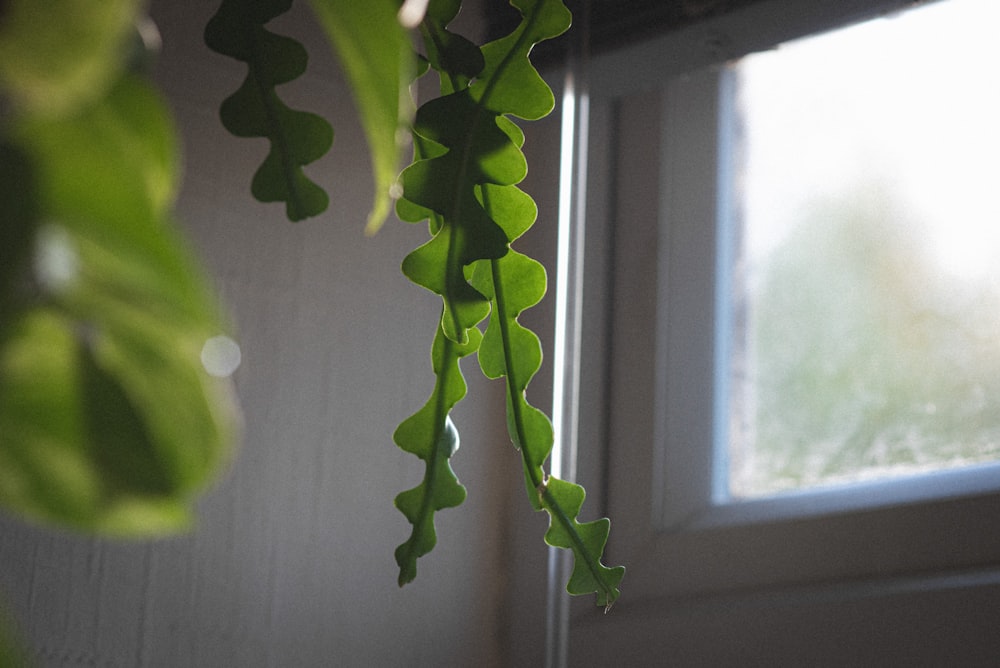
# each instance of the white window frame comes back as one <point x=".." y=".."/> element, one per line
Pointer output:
<point x="649" y="429"/>
<point x="690" y="485"/>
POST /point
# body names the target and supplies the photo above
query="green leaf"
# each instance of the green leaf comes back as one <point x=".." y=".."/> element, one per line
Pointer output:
<point x="19" y="211"/>
<point x="59" y="55"/>
<point x="477" y="151"/>
<point x="108" y="420"/>
<point x="455" y="57"/>
<point x="481" y="147"/>
<point x="378" y="60"/>
<point x="132" y="124"/>
<point x="515" y="283"/>
<point x="509" y="83"/>
<point x="297" y="138"/>
<point x="466" y="166"/>
<point x="563" y="501"/>
<point x="431" y="435"/>
<point x="507" y="342"/>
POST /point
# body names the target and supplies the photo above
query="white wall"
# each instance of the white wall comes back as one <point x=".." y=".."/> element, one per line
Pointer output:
<point x="291" y="562"/>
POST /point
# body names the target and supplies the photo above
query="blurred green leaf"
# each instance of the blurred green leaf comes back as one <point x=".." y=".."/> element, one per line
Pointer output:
<point x="297" y="138"/>
<point x="58" y="55"/>
<point x="108" y="421"/>
<point x="377" y="57"/>
<point x="19" y="213"/>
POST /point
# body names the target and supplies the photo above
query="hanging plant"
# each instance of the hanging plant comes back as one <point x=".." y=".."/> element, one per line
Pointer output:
<point x="464" y="180"/>
<point x="98" y="294"/>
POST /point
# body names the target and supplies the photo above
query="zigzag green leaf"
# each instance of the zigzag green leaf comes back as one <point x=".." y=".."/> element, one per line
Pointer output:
<point x="515" y="283"/>
<point x="509" y="83"/>
<point x="563" y="501"/>
<point x="480" y="147"/>
<point x="464" y="179"/>
<point x="455" y="57"/>
<point x="431" y="435"/>
<point x="297" y="138"/>
<point x="477" y="152"/>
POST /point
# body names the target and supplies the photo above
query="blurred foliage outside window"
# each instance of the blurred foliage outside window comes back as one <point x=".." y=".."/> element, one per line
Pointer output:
<point x="867" y="295"/>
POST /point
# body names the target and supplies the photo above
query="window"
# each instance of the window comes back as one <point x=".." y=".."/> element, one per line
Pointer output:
<point x="897" y="570"/>
<point x="737" y="174"/>
<point x="868" y="290"/>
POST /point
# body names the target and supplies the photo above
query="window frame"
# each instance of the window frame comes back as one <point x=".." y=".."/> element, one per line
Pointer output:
<point x="690" y="484"/>
<point x="927" y="534"/>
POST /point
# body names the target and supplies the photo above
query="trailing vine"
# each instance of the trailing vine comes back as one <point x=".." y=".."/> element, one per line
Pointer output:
<point x="255" y="110"/>
<point x="464" y="179"/>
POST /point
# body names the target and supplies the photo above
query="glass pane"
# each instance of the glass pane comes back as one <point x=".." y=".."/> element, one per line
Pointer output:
<point x="868" y="290"/>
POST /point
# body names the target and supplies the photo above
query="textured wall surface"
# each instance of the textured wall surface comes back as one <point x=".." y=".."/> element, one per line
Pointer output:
<point x="291" y="562"/>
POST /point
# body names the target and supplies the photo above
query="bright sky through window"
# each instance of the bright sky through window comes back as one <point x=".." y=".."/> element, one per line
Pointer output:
<point x="869" y="181"/>
<point x="909" y="101"/>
